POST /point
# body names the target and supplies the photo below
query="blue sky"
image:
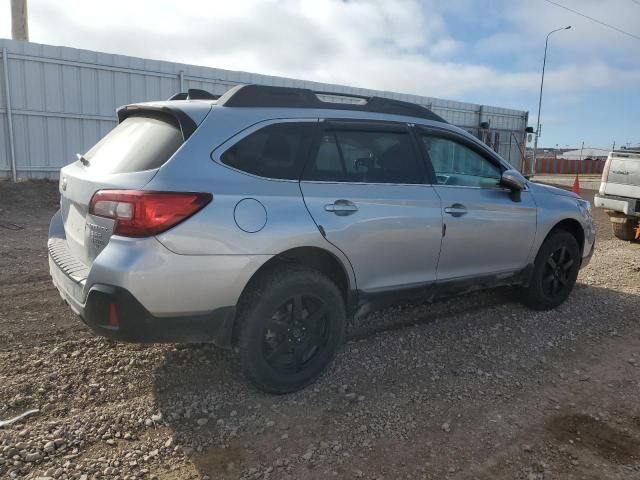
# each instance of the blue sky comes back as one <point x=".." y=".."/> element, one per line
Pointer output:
<point x="482" y="51"/>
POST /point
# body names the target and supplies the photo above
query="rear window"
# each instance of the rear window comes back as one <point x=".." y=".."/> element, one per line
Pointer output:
<point x="137" y="143"/>
<point x="277" y="151"/>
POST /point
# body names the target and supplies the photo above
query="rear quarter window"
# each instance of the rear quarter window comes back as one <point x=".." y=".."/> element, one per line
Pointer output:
<point x="276" y="151"/>
<point x="135" y="144"/>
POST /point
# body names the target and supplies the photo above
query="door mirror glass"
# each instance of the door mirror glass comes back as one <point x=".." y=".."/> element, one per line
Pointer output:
<point x="513" y="180"/>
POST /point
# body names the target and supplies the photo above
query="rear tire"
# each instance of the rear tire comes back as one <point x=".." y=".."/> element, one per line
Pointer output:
<point x="291" y="324"/>
<point x="554" y="272"/>
<point x="624" y="231"/>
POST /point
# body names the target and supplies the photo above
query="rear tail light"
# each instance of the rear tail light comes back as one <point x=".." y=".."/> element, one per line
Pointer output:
<point x="605" y="171"/>
<point x="142" y="214"/>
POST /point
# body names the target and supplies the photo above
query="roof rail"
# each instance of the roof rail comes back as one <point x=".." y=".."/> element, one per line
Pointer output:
<point x="289" y="97"/>
<point x="195" y="94"/>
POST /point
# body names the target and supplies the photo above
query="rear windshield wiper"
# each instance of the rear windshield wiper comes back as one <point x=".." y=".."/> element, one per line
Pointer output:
<point x="84" y="161"/>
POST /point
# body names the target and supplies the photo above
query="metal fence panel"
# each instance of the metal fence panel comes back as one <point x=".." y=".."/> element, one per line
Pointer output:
<point x="64" y="99"/>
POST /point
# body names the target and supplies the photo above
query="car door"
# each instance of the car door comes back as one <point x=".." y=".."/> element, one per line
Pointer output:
<point x="488" y="231"/>
<point x="364" y="187"/>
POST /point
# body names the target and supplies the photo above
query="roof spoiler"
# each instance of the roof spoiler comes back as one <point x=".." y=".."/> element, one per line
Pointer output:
<point x="186" y="123"/>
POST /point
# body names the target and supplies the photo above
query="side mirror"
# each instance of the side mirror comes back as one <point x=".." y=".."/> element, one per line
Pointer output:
<point x="513" y="180"/>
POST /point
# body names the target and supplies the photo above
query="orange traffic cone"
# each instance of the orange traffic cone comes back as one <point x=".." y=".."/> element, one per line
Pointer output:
<point x="576" y="185"/>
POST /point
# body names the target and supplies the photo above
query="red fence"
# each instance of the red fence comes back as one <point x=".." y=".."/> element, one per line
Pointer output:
<point x="559" y="165"/>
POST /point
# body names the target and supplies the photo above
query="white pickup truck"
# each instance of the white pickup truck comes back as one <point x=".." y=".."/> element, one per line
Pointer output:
<point x="619" y="193"/>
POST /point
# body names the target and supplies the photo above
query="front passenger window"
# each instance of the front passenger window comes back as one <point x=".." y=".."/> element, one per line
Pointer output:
<point x="457" y="165"/>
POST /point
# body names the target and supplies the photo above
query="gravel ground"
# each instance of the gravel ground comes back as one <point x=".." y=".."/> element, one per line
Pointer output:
<point x="475" y="387"/>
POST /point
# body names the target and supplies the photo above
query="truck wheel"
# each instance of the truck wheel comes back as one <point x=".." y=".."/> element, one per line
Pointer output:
<point x="291" y="325"/>
<point x="554" y="272"/>
<point x="624" y="231"/>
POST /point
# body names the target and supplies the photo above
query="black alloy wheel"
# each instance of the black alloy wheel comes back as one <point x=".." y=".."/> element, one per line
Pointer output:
<point x="557" y="271"/>
<point x="296" y="333"/>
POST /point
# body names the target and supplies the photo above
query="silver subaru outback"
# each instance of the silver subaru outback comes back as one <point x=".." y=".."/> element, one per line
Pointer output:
<point x="266" y="218"/>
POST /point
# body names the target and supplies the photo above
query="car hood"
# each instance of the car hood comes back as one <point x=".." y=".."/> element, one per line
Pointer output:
<point x="540" y="189"/>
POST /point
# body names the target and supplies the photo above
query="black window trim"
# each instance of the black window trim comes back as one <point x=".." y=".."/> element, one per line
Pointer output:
<point x="485" y="153"/>
<point x="364" y="125"/>
<point x="361" y="125"/>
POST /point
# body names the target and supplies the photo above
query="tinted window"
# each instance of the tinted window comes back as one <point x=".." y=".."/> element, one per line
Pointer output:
<point x="456" y="164"/>
<point x="137" y="143"/>
<point x="365" y="156"/>
<point x="275" y="151"/>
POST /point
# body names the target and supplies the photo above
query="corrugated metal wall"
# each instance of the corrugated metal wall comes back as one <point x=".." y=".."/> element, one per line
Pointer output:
<point x="62" y="100"/>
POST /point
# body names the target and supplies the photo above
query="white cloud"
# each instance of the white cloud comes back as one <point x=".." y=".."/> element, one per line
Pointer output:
<point x="526" y="24"/>
<point x="403" y="45"/>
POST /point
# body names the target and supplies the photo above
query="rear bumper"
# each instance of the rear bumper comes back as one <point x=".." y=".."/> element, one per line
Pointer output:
<point x="113" y="312"/>
<point x="138" y="291"/>
<point x="628" y="206"/>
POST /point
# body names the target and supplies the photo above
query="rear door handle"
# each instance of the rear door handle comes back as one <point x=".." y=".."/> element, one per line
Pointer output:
<point x="341" y="207"/>
<point x="456" y="210"/>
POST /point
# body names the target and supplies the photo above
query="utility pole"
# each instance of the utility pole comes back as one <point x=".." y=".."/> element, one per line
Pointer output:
<point x="544" y="63"/>
<point x="581" y="149"/>
<point x="19" y="20"/>
<point x="580" y="162"/>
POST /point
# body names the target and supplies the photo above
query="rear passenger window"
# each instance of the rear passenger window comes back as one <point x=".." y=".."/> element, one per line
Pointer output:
<point x="365" y="157"/>
<point x="276" y="151"/>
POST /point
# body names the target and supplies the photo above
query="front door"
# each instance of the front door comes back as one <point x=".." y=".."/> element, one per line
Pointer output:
<point x="365" y="191"/>
<point x="486" y="231"/>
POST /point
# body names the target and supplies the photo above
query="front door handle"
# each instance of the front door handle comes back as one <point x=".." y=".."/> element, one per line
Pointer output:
<point x="456" y="210"/>
<point x="341" y="207"/>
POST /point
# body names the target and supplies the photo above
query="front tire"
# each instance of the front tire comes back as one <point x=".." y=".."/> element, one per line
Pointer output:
<point x="554" y="272"/>
<point x="292" y="323"/>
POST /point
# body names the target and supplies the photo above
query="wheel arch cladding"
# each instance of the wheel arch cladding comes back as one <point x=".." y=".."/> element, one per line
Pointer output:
<point x="314" y="258"/>
<point x="573" y="227"/>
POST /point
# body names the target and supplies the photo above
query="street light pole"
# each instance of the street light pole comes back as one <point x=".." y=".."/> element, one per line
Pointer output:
<point x="544" y="63"/>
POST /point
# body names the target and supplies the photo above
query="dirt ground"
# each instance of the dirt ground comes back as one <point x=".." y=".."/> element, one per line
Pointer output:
<point x="476" y="387"/>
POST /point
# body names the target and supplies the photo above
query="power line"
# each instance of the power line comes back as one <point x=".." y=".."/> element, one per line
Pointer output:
<point x="632" y="35"/>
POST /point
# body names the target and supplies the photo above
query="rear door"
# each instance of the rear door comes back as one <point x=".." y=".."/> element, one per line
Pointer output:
<point x="486" y="231"/>
<point x="126" y="158"/>
<point x="365" y="189"/>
